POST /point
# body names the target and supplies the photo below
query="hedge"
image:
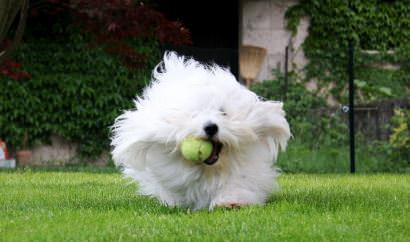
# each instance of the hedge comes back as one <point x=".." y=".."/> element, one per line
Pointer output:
<point x="75" y="92"/>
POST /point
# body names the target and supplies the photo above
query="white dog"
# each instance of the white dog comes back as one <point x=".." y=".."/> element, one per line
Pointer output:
<point x="186" y="98"/>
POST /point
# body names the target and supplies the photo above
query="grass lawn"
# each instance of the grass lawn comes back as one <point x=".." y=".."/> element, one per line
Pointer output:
<point x="87" y="206"/>
<point x="302" y="158"/>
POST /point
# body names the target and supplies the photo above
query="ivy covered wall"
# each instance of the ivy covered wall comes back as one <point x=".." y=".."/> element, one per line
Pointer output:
<point x="75" y="92"/>
<point x="378" y="25"/>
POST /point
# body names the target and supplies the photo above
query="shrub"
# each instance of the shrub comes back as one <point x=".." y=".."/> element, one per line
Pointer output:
<point x="299" y="100"/>
<point x="397" y="148"/>
<point x="320" y="138"/>
<point x="75" y="92"/>
<point x="375" y="25"/>
<point x="303" y="111"/>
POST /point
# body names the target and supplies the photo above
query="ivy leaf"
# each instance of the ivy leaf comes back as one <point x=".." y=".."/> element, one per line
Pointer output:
<point x="359" y="83"/>
<point x="385" y="90"/>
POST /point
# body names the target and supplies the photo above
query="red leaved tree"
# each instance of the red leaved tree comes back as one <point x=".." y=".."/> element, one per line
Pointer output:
<point x="12" y="10"/>
<point x="112" y="23"/>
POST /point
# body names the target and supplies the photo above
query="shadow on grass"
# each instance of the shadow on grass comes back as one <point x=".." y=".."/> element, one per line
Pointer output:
<point x="87" y="169"/>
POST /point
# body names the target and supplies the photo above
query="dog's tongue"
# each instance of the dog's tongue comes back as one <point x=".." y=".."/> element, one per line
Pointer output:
<point x="213" y="158"/>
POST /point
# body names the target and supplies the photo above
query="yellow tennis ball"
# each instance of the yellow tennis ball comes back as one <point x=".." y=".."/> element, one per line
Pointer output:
<point x="196" y="149"/>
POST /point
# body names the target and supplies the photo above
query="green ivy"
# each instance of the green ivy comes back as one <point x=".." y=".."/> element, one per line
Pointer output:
<point x="75" y="92"/>
<point x="397" y="149"/>
<point x="377" y="25"/>
<point x="303" y="111"/>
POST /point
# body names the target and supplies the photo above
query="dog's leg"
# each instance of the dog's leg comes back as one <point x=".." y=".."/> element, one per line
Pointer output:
<point x="251" y="188"/>
<point x="239" y="197"/>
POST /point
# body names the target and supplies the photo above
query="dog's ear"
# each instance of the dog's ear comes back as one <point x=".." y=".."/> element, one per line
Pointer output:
<point x="269" y="120"/>
<point x="131" y="139"/>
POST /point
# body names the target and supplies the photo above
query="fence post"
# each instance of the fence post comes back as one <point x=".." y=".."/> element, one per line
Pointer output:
<point x="350" y="70"/>
<point x="285" y="85"/>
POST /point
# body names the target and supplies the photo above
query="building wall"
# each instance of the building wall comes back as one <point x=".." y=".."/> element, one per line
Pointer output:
<point x="263" y="24"/>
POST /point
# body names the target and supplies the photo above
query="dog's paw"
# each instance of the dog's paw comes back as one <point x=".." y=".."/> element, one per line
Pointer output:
<point x="232" y="205"/>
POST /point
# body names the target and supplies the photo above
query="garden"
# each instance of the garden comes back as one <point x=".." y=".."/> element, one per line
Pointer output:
<point x="79" y="65"/>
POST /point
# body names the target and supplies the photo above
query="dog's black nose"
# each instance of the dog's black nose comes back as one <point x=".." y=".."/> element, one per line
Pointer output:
<point x="211" y="129"/>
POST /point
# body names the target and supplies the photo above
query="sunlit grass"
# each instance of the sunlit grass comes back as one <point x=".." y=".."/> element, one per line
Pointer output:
<point x="85" y="206"/>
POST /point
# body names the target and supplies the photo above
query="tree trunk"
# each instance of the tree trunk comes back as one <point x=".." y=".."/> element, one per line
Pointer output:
<point x="9" y="10"/>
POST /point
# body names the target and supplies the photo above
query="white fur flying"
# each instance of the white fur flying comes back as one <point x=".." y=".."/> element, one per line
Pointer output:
<point x="183" y="96"/>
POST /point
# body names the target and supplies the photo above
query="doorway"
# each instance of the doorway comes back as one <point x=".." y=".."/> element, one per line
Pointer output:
<point x="214" y="27"/>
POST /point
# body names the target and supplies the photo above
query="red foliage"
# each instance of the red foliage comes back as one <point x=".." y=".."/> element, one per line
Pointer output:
<point x="13" y="70"/>
<point x="46" y="7"/>
<point x="113" y="23"/>
<point x="120" y="19"/>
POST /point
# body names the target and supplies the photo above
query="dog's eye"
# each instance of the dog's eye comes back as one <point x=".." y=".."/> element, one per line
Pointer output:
<point x="222" y="111"/>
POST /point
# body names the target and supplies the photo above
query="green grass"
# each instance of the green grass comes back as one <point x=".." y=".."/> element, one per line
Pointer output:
<point x="86" y="206"/>
<point x="300" y="157"/>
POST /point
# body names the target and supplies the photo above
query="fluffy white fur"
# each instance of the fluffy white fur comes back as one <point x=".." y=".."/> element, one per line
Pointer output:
<point x="183" y="96"/>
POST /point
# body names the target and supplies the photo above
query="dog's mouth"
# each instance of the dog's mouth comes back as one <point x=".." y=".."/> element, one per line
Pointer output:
<point x="213" y="158"/>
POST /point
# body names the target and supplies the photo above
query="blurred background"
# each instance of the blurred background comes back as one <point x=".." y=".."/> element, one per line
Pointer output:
<point x="68" y="68"/>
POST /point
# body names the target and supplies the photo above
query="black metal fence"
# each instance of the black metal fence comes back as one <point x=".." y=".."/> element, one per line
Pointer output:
<point x="363" y="135"/>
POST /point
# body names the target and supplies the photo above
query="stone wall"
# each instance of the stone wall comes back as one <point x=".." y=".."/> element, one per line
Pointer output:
<point x="263" y="24"/>
<point x="62" y="152"/>
<point x="59" y="152"/>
